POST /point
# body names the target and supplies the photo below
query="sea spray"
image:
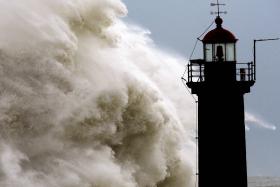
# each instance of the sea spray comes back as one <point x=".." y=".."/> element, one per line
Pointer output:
<point x="88" y="100"/>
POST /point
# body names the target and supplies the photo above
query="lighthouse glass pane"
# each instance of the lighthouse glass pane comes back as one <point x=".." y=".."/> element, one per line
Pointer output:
<point x="219" y="52"/>
<point x="208" y="53"/>
<point x="230" y="52"/>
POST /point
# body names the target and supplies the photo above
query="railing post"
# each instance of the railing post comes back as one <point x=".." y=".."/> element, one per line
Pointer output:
<point x="253" y="71"/>
<point x="249" y="72"/>
<point x="200" y="72"/>
<point x="188" y="72"/>
<point x="190" y="75"/>
<point x="254" y="59"/>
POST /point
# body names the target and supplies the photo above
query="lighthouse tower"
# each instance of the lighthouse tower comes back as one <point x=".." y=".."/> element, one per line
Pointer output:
<point x="220" y="84"/>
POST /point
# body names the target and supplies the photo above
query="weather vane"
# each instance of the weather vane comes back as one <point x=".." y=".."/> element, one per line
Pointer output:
<point x="218" y="6"/>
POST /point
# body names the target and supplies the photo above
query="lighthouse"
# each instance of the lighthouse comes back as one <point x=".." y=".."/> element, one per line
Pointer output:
<point x="220" y="83"/>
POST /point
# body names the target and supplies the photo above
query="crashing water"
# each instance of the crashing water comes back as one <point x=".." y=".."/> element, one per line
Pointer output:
<point x="87" y="100"/>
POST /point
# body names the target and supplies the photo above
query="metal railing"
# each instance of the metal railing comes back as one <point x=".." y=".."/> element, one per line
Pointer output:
<point x="195" y="72"/>
<point x="244" y="71"/>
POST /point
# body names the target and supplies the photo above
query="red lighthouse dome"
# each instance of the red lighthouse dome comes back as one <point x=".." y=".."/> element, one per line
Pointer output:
<point x="219" y="34"/>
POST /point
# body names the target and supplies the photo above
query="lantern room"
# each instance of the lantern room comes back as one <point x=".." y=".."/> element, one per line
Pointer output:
<point x="219" y="64"/>
<point x="219" y="44"/>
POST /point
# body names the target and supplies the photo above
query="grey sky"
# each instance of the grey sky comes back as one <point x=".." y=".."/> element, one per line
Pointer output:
<point x="175" y="24"/>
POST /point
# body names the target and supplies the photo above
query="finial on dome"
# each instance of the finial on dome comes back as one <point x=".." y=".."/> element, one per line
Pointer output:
<point x="219" y="21"/>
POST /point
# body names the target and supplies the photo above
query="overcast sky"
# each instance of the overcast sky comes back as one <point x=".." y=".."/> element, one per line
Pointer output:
<point x="175" y="24"/>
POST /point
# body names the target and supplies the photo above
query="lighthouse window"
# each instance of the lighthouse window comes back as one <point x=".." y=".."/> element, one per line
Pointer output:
<point x="219" y="52"/>
<point x="230" y="52"/>
<point x="208" y="53"/>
